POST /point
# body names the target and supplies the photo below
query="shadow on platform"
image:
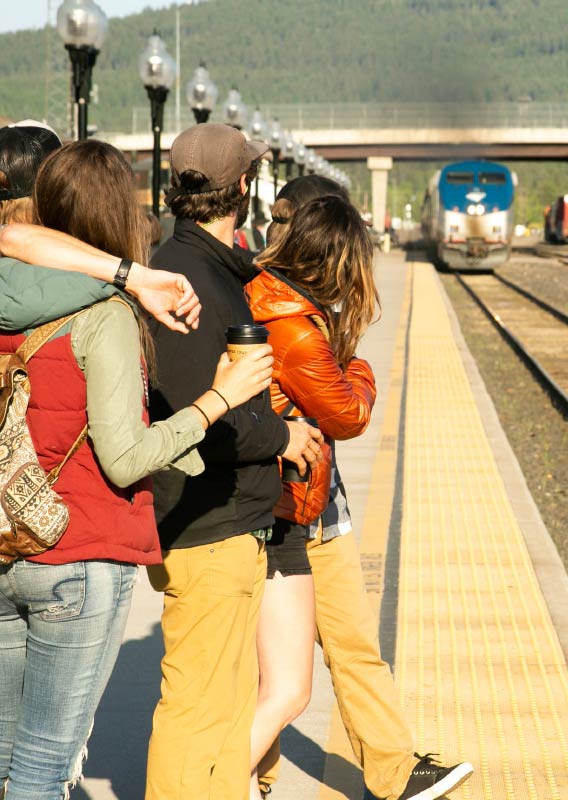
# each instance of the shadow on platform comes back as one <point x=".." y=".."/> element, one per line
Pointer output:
<point x="119" y="744"/>
<point x="340" y="775"/>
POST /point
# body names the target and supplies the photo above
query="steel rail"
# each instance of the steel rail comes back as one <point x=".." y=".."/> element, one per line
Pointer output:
<point x="555" y="392"/>
<point x="557" y="251"/>
<point x="555" y="312"/>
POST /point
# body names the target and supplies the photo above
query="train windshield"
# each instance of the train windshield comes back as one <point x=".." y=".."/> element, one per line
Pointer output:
<point x="459" y="177"/>
<point x="493" y="178"/>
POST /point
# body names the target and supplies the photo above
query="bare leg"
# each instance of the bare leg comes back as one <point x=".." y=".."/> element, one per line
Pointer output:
<point x="285" y="643"/>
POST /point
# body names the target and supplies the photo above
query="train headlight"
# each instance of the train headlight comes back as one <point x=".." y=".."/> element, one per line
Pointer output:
<point x="471" y="209"/>
<point x="480" y="209"/>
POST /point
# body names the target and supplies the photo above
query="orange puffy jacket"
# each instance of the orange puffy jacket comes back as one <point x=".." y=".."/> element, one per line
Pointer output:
<point x="305" y="370"/>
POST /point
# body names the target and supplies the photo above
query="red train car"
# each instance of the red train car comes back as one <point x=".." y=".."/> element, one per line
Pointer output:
<point x="556" y="221"/>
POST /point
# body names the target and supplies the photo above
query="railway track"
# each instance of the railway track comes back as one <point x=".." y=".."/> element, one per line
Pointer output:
<point x="557" y="251"/>
<point x="537" y="331"/>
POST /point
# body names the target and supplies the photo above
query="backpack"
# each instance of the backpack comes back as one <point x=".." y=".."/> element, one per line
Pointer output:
<point x="33" y="517"/>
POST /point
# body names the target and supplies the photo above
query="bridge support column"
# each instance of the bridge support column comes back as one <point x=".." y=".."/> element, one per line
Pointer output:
<point x="379" y="180"/>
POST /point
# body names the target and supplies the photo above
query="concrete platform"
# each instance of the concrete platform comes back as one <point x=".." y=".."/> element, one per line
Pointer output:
<point x="475" y="606"/>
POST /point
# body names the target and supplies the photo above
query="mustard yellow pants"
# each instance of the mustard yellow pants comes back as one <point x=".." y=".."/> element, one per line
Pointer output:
<point x="200" y="743"/>
<point x="368" y="703"/>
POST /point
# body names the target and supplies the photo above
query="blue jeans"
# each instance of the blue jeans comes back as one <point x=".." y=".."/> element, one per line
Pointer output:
<point x="61" y="628"/>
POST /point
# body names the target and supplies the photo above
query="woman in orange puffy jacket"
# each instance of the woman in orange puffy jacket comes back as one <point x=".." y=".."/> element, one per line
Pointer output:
<point x="316" y="296"/>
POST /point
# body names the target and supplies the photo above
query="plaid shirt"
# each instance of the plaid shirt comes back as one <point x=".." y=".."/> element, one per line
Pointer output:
<point x="336" y="520"/>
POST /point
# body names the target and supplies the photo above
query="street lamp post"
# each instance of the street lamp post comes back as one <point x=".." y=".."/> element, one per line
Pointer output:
<point x="288" y="153"/>
<point x="310" y="161"/>
<point x="300" y="155"/>
<point x="201" y="93"/>
<point x="234" y="110"/>
<point x="82" y="25"/>
<point x="275" y="136"/>
<point x="257" y="131"/>
<point x="157" y="70"/>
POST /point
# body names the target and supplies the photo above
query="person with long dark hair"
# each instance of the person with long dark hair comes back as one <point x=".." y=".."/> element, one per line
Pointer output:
<point x="168" y="296"/>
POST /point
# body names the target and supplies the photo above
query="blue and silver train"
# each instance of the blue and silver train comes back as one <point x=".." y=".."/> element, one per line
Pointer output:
<point x="467" y="215"/>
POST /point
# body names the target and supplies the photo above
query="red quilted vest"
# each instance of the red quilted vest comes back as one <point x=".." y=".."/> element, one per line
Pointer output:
<point x="106" y="522"/>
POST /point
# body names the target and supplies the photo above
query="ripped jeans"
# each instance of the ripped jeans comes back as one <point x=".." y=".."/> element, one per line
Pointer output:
<point x="61" y="628"/>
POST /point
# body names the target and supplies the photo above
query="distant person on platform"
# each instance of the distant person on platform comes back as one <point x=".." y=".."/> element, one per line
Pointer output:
<point x="213" y="526"/>
<point x="258" y="231"/>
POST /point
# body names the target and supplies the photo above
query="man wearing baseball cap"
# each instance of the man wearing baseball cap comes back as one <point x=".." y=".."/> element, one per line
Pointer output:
<point x="212" y="526"/>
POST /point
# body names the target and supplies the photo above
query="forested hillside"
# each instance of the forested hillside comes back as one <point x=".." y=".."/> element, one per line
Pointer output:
<point x="322" y="50"/>
<point x="329" y="50"/>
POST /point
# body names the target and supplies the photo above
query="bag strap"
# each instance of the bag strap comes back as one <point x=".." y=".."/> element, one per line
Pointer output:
<point x="287" y="410"/>
<point x="320" y="325"/>
<point x="53" y="475"/>
<point x="39" y="336"/>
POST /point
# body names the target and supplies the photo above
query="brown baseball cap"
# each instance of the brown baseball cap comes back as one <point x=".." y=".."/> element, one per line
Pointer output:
<point x="222" y="153"/>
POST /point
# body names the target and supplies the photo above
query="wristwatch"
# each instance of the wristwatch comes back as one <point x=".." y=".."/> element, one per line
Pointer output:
<point x="122" y="273"/>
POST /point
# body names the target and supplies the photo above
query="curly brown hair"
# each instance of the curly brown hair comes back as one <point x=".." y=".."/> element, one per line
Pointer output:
<point x="325" y="249"/>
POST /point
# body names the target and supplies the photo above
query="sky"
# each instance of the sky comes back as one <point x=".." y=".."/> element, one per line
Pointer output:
<point x="33" y="13"/>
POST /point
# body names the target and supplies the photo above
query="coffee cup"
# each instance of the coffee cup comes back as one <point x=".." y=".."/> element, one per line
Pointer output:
<point x="289" y="469"/>
<point x="241" y="339"/>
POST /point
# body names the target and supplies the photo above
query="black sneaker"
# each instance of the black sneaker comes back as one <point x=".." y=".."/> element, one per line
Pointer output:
<point x="429" y="779"/>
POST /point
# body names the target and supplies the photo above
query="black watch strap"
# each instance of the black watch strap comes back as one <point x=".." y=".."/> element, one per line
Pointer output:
<point x="122" y="273"/>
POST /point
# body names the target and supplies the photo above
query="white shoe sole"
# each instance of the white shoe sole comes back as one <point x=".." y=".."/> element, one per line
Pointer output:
<point x="450" y="782"/>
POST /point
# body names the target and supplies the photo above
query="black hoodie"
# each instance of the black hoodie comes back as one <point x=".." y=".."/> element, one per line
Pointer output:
<point x="241" y="483"/>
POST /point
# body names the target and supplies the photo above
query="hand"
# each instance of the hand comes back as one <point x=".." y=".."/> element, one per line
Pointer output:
<point x="163" y="293"/>
<point x="304" y="446"/>
<point x="240" y="380"/>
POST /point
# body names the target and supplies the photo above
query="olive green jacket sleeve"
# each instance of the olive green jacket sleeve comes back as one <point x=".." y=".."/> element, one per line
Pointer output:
<point x="106" y="344"/>
<point x="32" y="295"/>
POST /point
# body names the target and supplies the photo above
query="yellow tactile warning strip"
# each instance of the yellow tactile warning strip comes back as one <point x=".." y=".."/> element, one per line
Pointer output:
<point x="479" y="667"/>
<point x="478" y="663"/>
<point x="373" y="546"/>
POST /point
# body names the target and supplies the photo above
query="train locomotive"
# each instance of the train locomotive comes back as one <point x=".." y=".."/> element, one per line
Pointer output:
<point x="467" y="215"/>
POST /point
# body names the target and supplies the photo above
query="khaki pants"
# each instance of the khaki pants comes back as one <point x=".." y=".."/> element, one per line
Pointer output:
<point x="362" y="681"/>
<point x="200" y="744"/>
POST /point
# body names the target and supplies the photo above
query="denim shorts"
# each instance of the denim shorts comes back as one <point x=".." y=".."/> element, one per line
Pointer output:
<point x="286" y="550"/>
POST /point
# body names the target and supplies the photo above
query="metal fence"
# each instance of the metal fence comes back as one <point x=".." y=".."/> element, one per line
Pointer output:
<point x="347" y="116"/>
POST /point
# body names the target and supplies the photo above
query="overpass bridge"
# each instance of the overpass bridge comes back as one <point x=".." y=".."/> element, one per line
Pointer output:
<point x="381" y="133"/>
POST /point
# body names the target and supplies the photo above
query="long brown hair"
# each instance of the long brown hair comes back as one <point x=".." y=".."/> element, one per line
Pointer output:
<point x="86" y="189"/>
<point x="325" y="249"/>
